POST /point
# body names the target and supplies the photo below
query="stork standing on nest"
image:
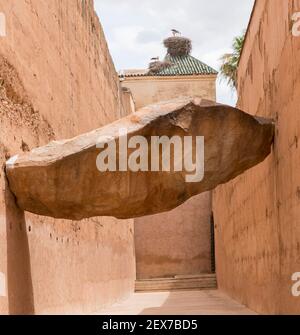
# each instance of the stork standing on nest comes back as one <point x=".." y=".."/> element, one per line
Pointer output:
<point x="176" y="32"/>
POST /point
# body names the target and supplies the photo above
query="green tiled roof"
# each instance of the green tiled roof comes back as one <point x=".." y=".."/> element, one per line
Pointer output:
<point x="182" y="66"/>
<point x="185" y="65"/>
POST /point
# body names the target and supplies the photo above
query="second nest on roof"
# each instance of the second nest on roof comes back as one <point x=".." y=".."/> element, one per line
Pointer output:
<point x="157" y="66"/>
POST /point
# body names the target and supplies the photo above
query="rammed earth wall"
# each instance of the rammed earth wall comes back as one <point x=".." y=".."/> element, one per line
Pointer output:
<point x="57" y="80"/>
<point x="257" y="215"/>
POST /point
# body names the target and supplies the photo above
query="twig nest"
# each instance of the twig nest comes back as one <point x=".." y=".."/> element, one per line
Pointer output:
<point x="178" y="46"/>
<point x="157" y="66"/>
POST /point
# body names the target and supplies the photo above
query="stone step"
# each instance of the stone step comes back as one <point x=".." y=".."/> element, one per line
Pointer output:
<point x="194" y="282"/>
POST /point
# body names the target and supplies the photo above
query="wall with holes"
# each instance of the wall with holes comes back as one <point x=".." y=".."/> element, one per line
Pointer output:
<point x="57" y="80"/>
<point x="257" y="215"/>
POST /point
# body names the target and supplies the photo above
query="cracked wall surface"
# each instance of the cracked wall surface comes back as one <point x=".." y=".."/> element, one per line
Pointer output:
<point x="57" y="80"/>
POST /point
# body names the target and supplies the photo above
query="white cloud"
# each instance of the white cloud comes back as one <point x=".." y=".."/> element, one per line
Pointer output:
<point x="135" y="29"/>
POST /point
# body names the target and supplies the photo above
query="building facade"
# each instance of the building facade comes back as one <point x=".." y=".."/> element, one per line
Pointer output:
<point x="176" y="243"/>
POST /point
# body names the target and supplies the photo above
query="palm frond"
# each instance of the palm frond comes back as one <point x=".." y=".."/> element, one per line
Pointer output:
<point x="230" y="61"/>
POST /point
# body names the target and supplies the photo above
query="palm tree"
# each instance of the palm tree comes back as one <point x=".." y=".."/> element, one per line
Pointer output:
<point x="230" y="61"/>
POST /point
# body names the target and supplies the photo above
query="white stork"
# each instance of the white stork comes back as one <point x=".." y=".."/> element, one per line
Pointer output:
<point x="176" y="32"/>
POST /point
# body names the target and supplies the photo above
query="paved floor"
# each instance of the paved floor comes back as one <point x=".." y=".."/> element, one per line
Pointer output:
<point x="178" y="303"/>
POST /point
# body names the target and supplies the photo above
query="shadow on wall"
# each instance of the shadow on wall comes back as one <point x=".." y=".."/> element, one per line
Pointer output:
<point x="19" y="282"/>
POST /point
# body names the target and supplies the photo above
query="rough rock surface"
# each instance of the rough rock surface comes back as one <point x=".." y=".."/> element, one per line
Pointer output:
<point x="61" y="179"/>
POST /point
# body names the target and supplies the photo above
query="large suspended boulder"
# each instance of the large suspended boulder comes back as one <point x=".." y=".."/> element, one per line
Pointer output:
<point x="62" y="179"/>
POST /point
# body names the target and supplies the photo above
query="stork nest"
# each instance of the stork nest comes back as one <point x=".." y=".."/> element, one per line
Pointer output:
<point x="178" y="46"/>
<point x="157" y="66"/>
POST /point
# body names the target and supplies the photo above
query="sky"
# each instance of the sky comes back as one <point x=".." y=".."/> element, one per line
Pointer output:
<point x="135" y="30"/>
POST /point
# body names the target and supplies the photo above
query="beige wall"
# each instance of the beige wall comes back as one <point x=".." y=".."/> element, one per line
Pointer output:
<point x="148" y="90"/>
<point x="178" y="242"/>
<point x="257" y="215"/>
<point x="57" y="81"/>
